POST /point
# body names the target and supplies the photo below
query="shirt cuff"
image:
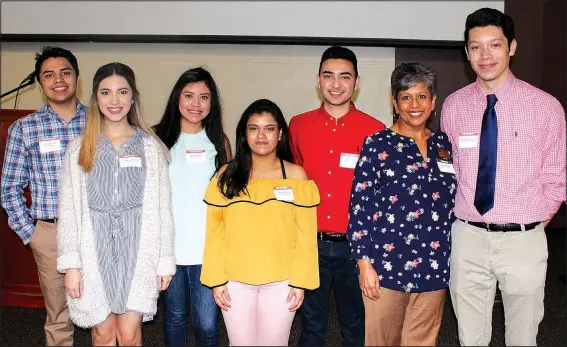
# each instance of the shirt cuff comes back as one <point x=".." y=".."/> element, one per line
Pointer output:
<point x="166" y="266"/>
<point x="26" y="232"/>
<point x="69" y="261"/>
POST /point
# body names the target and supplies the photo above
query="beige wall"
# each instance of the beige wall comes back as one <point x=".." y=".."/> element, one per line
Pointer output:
<point x="372" y="19"/>
<point x="244" y="73"/>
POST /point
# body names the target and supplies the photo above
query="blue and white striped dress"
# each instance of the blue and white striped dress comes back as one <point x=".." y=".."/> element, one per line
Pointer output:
<point x="115" y="195"/>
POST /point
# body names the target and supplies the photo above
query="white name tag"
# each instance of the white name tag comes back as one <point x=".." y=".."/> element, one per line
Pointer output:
<point x="468" y="141"/>
<point x="348" y="160"/>
<point x="446" y="167"/>
<point x="195" y="156"/>
<point x="283" y="193"/>
<point x="51" y="145"/>
<point x="130" y="161"/>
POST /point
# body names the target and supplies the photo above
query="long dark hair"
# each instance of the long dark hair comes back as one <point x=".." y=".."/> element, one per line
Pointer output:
<point x="169" y="127"/>
<point x="233" y="181"/>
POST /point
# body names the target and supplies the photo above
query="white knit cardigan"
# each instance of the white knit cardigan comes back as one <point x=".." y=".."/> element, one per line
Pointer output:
<point x="76" y="247"/>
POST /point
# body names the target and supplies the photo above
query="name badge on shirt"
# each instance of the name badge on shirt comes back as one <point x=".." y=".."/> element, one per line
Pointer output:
<point x="130" y="161"/>
<point x="49" y="145"/>
<point x="195" y="156"/>
<point x="283" y="193"/>
<point x="445" y="166"/>
<point x="348" y="160"/>
<point x="444" y="161"/>
<point x="468" y="141"/>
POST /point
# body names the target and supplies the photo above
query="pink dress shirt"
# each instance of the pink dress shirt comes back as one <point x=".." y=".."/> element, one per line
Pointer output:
<point x="530" y="172"/>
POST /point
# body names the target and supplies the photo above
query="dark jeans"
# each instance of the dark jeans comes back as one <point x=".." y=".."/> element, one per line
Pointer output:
<point x="337" y="269"/>
<point x="204" y="311"/>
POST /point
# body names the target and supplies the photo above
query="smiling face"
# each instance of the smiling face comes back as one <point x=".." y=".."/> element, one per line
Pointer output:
<point x="489" y="54"/>
<point x="114" y="97"/>
<point x="195" y="103"/>
<point x="414" y="106"/>
<point x="262" y="134"/>
<point x="58" y="80"/>
<point x="337" y="81"/>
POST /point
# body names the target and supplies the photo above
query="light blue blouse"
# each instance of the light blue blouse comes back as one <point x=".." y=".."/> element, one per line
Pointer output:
<point x="192" y="166"/>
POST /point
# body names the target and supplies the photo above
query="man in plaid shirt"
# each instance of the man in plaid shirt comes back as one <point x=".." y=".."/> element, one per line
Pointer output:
<point x="509" y="157"/>
<point x="35" y="149"/>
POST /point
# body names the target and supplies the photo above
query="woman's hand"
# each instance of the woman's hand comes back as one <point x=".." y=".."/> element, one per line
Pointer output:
<point x="368" y="279"/>
<point x="74" y="283"/>
<point x="222" y="297"/>
<point x="295" y="296"/>
<point x="163" y="282"/>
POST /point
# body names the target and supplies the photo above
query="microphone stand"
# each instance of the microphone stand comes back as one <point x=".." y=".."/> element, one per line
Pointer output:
<point x="28" y="83"/>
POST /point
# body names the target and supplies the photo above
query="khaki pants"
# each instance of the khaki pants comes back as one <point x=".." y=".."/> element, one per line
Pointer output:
<point x="403" y="319"/>
<point x="58" y="326"/>
<point x="518" y="261"/>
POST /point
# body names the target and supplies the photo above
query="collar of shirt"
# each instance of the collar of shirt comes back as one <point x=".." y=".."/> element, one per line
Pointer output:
<point x="326" y="116"/>
<point x="503" y="91"/>
<point x="80" y="112"/>
<point x="138" y="133"/>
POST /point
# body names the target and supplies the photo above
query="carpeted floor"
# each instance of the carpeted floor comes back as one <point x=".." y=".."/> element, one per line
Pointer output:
<point x="24" y="326"/>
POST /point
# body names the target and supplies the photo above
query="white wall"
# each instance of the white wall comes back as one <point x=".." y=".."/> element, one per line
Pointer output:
<point x="244" y="73"/>
<point x="416" y="20"/>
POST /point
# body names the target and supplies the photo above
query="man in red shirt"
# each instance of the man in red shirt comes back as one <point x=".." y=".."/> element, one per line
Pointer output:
<point x="327" y="143"/>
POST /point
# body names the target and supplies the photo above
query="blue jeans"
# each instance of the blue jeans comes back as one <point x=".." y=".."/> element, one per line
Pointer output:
<point x="337" y="269"/>
<point x="204" y="311"/>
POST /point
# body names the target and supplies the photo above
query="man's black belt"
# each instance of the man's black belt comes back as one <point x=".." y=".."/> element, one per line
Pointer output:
<point x="502" y="227"/>
<point x="52" y="220"/>
<point x="332" y="237"/>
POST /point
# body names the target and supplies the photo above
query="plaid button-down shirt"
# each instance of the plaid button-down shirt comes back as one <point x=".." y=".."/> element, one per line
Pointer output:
<point x="25" y="165"/>
<point x="530" y="169"/>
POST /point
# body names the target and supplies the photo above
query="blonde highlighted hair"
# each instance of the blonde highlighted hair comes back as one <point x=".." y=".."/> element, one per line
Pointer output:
<point x="91" y="132"/>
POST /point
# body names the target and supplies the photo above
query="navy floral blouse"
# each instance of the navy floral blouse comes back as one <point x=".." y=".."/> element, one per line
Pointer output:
<point x="401" y="210"/>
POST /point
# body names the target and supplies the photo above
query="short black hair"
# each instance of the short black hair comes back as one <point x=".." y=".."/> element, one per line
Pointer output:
<point x="488" y="16"/>
<point x="338" y="52"/>
<point x="54" y="52"/>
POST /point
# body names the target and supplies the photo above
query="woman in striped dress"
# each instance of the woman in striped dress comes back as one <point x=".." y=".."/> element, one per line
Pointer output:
<point x="115" y="233"/>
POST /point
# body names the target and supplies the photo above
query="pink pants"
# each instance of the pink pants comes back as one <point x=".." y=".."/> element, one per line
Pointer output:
<point x="259" y="314"/>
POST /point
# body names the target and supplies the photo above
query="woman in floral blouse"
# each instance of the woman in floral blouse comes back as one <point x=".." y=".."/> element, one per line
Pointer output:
<point x="401" y="211"/>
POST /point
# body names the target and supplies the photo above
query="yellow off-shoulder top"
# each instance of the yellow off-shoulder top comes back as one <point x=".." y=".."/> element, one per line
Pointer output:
<point x="257" y="239"/>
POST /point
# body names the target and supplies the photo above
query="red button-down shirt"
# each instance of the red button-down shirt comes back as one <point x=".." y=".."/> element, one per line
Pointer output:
<point x="530" y="168"/>
<point x="318" y="140"/>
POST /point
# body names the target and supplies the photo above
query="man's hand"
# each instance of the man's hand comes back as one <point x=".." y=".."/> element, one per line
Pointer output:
<point x="369" y="281"/>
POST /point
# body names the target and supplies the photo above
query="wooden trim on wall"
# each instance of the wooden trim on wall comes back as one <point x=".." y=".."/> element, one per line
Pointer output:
<point x="230" y="39"/>
<point x="452" y="67"/>
<point x="19" y="282"/>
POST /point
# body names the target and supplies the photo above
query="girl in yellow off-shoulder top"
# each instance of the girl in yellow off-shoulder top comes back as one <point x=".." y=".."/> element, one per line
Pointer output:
<point x="261" y="244"/>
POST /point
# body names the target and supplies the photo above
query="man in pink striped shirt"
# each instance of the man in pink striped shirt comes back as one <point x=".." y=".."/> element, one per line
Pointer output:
<point x="509" y="156"/>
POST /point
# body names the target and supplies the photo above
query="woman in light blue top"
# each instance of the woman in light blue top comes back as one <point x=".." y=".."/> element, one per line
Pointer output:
<point x="191" y="127"/>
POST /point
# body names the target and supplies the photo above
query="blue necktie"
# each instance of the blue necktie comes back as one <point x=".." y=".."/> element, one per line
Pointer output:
<point x="485" y="181"/>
